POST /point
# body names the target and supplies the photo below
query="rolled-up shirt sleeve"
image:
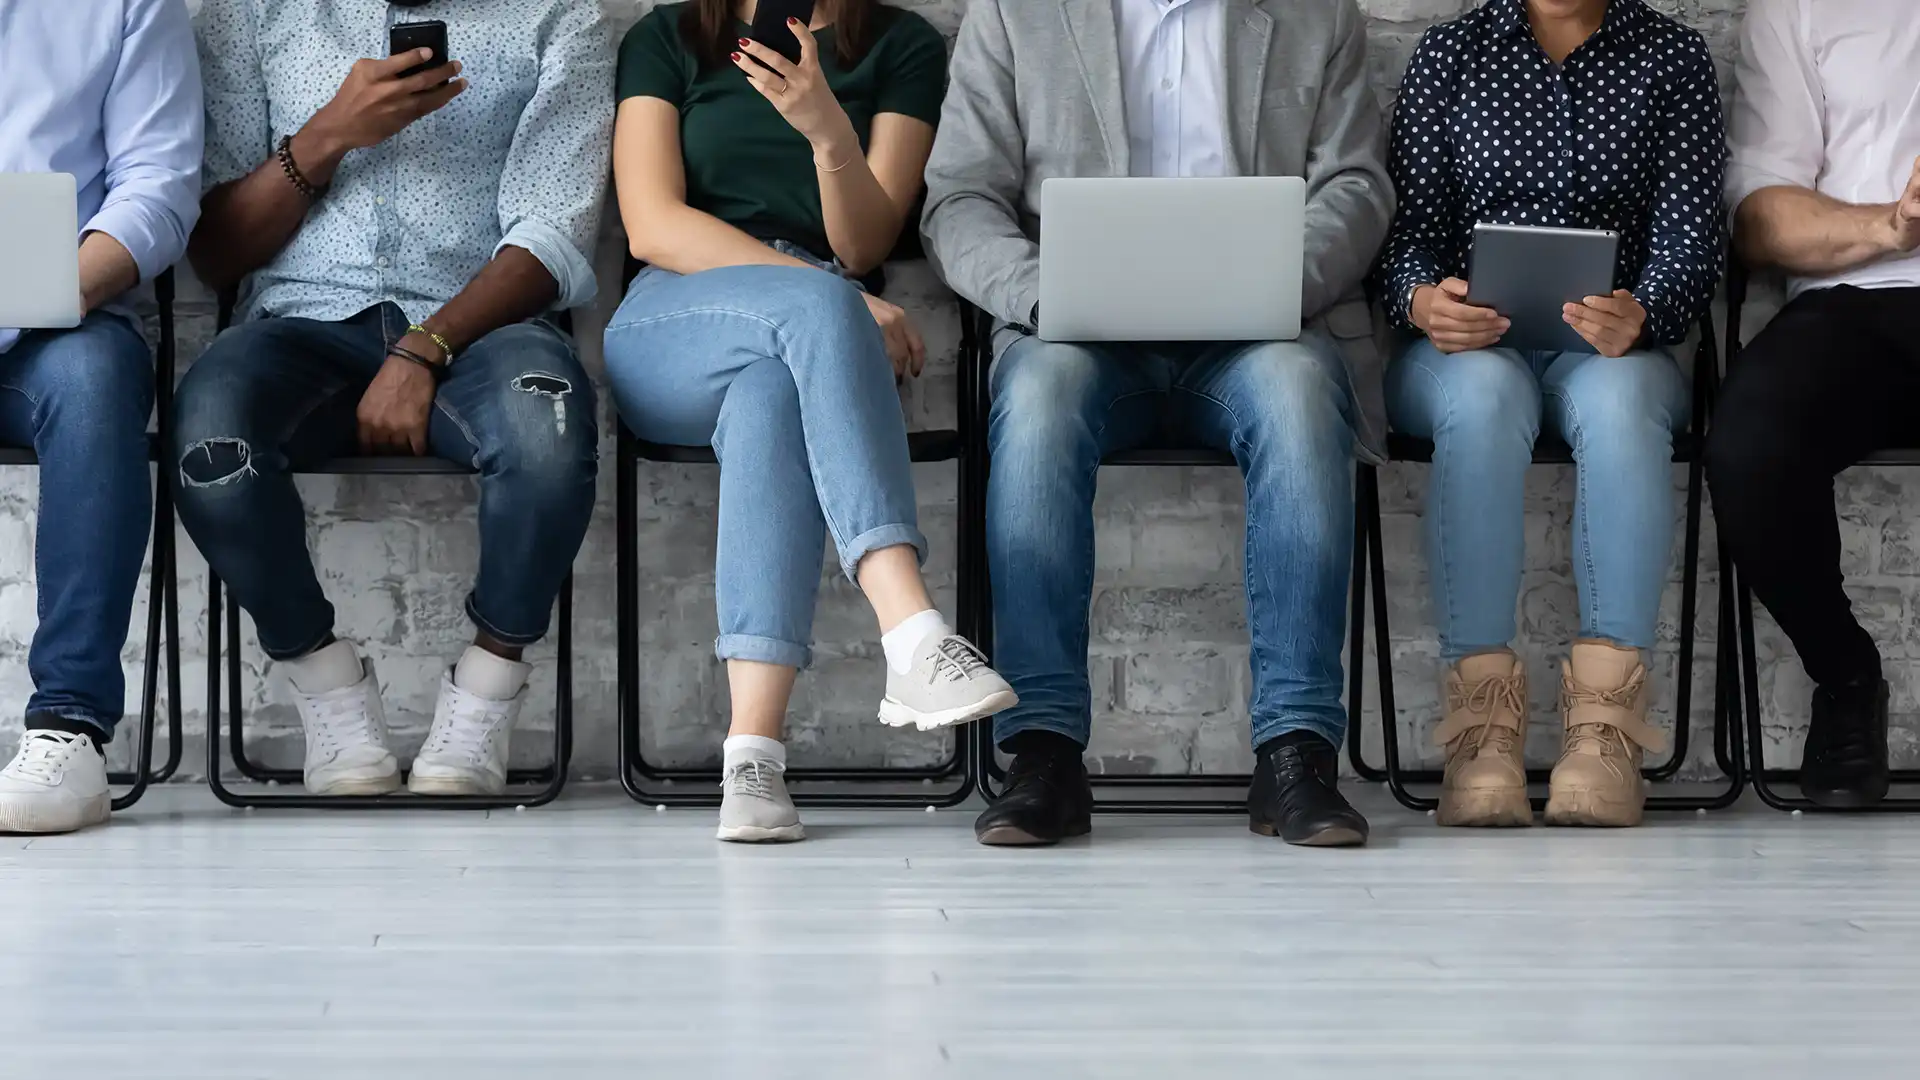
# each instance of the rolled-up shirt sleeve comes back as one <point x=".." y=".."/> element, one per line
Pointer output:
<point x="556" y="172"/>
<point x="151" y="124"/>
<point x="1776" y="135"/>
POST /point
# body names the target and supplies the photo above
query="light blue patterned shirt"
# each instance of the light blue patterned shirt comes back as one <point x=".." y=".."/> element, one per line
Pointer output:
<point x="106" y="90"/>
<point x="518" y="159"/>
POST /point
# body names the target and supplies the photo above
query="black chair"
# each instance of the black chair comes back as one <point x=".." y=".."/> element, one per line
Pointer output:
<point x="650" y="783"/>
<point x="1764" y="778"/>
<point x="548" y="780"/>
<point x="976" y="400"/>
<point x="1687" y="451"/>
<point x="162" y="588"/>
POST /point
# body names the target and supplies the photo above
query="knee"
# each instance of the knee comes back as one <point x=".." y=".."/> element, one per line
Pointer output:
<point x="213" y="445"/>
<point x="549" y="441"/>
<point x="1623" y="402"/>
<point x="1044" y="405"/>
<point x="100" y="385"/>
<point x="1291" y="388"/>
<point x="1482" y="393"/>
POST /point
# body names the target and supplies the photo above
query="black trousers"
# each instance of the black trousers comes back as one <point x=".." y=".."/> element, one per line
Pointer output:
<point x="1834" y="378"/>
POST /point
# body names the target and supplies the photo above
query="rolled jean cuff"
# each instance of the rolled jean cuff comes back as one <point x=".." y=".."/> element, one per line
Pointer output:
<point x="873" y="540"/>
<point x="762" y="650"/>
<point x="309" y="644"/>
<point x="70" y="715"/>
<point x="494" y="631"/>
<point x="1332" y="730"/>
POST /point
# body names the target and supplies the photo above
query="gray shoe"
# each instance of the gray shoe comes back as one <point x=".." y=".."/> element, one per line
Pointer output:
<point x="755" y="807"/>
<point x="950" y="683"/>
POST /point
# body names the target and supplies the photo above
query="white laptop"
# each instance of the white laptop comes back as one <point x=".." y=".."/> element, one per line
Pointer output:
<point x="1153" y="259"/>
<point x="39" y="251"/>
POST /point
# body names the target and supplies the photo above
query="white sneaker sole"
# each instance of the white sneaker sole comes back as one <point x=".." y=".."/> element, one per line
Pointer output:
<point x="897" y="714"/>
<point x="357" y="785"/>
<point x="453" y="785"/>
<point x="755" y="834"/>
<point x="44" y="816"/>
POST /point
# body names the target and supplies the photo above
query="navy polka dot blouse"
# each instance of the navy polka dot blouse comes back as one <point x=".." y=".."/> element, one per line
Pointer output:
<point x="1625" y="135"/>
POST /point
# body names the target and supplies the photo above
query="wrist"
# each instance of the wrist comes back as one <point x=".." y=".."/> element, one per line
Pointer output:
<point x="424" y="342"/>
<point x="1413" y="303"/>
<point x="317" y="150"/>
<point x="833" y="152"/>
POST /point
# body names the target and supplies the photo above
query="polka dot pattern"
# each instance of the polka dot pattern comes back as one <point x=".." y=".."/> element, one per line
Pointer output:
<point x="1626" y="135"/>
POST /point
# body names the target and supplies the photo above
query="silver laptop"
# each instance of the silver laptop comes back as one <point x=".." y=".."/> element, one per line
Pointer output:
<point x="1151" y="259"/>
<point x="39" y="251"/>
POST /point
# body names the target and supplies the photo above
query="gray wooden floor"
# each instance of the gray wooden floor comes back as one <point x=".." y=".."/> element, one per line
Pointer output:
<point x="597" y="938"/>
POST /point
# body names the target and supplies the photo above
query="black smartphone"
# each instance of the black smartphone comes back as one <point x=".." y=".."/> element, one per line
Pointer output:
<point x="770" y="25"/>
<point x="405" y="37"/>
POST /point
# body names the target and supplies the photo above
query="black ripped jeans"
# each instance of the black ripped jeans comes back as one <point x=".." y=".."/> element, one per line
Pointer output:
<point x="1834" y="378"/>
<point x="273" y="395"/>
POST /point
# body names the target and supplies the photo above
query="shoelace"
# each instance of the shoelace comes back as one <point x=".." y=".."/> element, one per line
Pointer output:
<point x="958" y="660"/>
<point x="339" y="719"/>
<point x="1484" y="698"/>
<point x="44" y="755"/>
<point x="752" y="776"/>
<point x="1623" y="731"/>
<point x="468" y="738"/>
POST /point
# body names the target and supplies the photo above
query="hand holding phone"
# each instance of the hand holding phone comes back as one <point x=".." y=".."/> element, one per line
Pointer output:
<point x="770" y="25"/>
<point x="378" y="99"/>
<point x="430" y="35"/>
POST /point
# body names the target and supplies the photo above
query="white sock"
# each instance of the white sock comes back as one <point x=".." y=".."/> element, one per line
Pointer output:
<point x="739" y="748"/>
<point x="492" y="677"/>
<point x="904" y="640"/>
<point x="334" y="667"/>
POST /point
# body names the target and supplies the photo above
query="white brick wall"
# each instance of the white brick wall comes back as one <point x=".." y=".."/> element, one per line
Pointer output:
<point x="1169" y="663"/>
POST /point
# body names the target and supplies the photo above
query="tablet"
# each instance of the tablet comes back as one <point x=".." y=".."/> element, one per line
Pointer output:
<point x="1528" y="273"/>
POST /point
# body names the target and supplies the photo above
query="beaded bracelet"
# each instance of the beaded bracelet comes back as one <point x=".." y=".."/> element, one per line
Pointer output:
<point x="294" y="175"/>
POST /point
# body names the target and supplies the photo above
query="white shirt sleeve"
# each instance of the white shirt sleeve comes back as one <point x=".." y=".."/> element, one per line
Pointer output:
<point x="1777" y="134"/>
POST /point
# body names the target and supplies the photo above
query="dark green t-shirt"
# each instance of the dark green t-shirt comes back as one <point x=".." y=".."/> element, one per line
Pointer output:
<point x="745" y="165"/>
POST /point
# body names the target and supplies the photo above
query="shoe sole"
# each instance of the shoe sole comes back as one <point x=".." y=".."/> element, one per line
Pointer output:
<point x="1587" y="809"/>
<point x="441" y="788"/>
<point x="46" y="821"/>
<point x="1335" y="837"/>
<point x="755" y="834"/>
<point x="384" y="785"/>
<point x="896" y="714"/>
<point x="1846" y="800"/>
<point x="1485" y="809"/>
<point x="1014" y="836"/>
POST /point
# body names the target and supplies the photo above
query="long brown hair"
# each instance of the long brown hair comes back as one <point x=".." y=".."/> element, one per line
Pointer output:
<point x="707" y="26"/>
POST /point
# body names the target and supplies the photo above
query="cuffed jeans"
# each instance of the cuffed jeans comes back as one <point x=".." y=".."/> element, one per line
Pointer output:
<point x="784" y="372"/>
<point x="1286" y="413"/>
<point x="1483" y="410"/>
<point x="80" y="398"/>
<point x="272" y="396"/>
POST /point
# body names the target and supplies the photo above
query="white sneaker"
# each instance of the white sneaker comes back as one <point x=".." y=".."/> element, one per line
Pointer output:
<point x="347" y="739"/>
<point x="949" y="683"/>
<point x="57" y="783"/>
<point x="466" y="749"/>
<point x="755" y="807"/>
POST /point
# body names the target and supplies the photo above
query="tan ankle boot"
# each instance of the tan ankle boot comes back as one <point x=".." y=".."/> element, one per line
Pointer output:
<point x="1604" y="694"/>
<point x="1485" y="782"/>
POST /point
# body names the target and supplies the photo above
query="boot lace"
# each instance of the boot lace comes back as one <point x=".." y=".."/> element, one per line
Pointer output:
<point x="1474" y="708"/>
<point x="1621" y="731"/>
<point x="44" y="755"/>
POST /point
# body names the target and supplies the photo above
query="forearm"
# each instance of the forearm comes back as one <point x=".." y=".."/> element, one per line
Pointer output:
<point x="1805" y="232"/>
<point x="676" y="237"/>
<point x="862" y="220"/>
<point x="245" y="223"/>
<point x="510" y="289"/>
<point x="107" y="269"/>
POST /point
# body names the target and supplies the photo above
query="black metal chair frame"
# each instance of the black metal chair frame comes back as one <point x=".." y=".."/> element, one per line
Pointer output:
<point x="1688" y="451"/>
<point x="976" y="400"/>
<point x="162" y="587"/>
<point x="637" y="773"/>
<point x="1764" y="778"/>
<point x="550" y="779"/>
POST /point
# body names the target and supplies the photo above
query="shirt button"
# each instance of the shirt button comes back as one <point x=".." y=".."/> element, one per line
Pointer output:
<point x="381" y="261"/>
<point x="379" y="200"/>
<point x="1166" y="84"/>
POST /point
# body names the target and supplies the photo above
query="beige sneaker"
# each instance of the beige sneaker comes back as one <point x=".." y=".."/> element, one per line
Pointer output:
<point x="1603" y="692"/>
<point x="1485" y="783"/>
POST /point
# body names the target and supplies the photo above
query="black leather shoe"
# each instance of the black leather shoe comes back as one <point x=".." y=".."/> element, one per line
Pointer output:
<point x="1047" y="799"/>
<point x="1295" y="798"/>
<point x="1844" y="765"/>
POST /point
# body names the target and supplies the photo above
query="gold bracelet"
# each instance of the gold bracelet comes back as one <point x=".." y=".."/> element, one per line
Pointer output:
<point x="822" y="168"/>
<point x="446" y="349"/>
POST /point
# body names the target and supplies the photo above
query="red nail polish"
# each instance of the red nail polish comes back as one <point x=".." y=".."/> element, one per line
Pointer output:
<point x="736" y="57"/>
<point x="743" y="43"/>
<point x="793" y="22"/>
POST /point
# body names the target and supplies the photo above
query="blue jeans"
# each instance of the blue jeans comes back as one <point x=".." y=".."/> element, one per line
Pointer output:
<point x="275" y="395"/>
<point x="784" y="372"/>
<point x="1285" y="412"/>
<point x="1483" y="411"/>
<point x="81" y="399"/>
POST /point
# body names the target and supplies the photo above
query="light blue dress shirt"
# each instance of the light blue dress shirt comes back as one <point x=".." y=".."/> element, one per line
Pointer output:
<point x="109" y="91"/>
<point x="519" y="159"/>
<point x="1173" y="84"/>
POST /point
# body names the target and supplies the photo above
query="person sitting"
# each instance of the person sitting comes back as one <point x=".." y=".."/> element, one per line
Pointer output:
<point x="1825" y="185"/>
<point x="109" y="91"/>
<point x="1592" y="114"/>
<point x="757" y="190"/>
<point x="1149" y="88"/>
<point x="400" y="240"/>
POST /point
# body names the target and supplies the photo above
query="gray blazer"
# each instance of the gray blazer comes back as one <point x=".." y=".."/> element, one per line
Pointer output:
<point x="1036" y="93"/>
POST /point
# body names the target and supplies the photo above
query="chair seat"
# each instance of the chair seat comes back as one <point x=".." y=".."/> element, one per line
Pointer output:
<point x="24" y="455"/>
<point x="1549" y="450"/>
<point x="1169" y="456"/>
<point x="921" y="446"/>
<point x="387" y="466"/>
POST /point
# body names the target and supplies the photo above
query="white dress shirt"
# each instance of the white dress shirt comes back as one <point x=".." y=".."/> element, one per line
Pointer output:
<point x="1173" y="78"/>
<point x="1829" y="99"/>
